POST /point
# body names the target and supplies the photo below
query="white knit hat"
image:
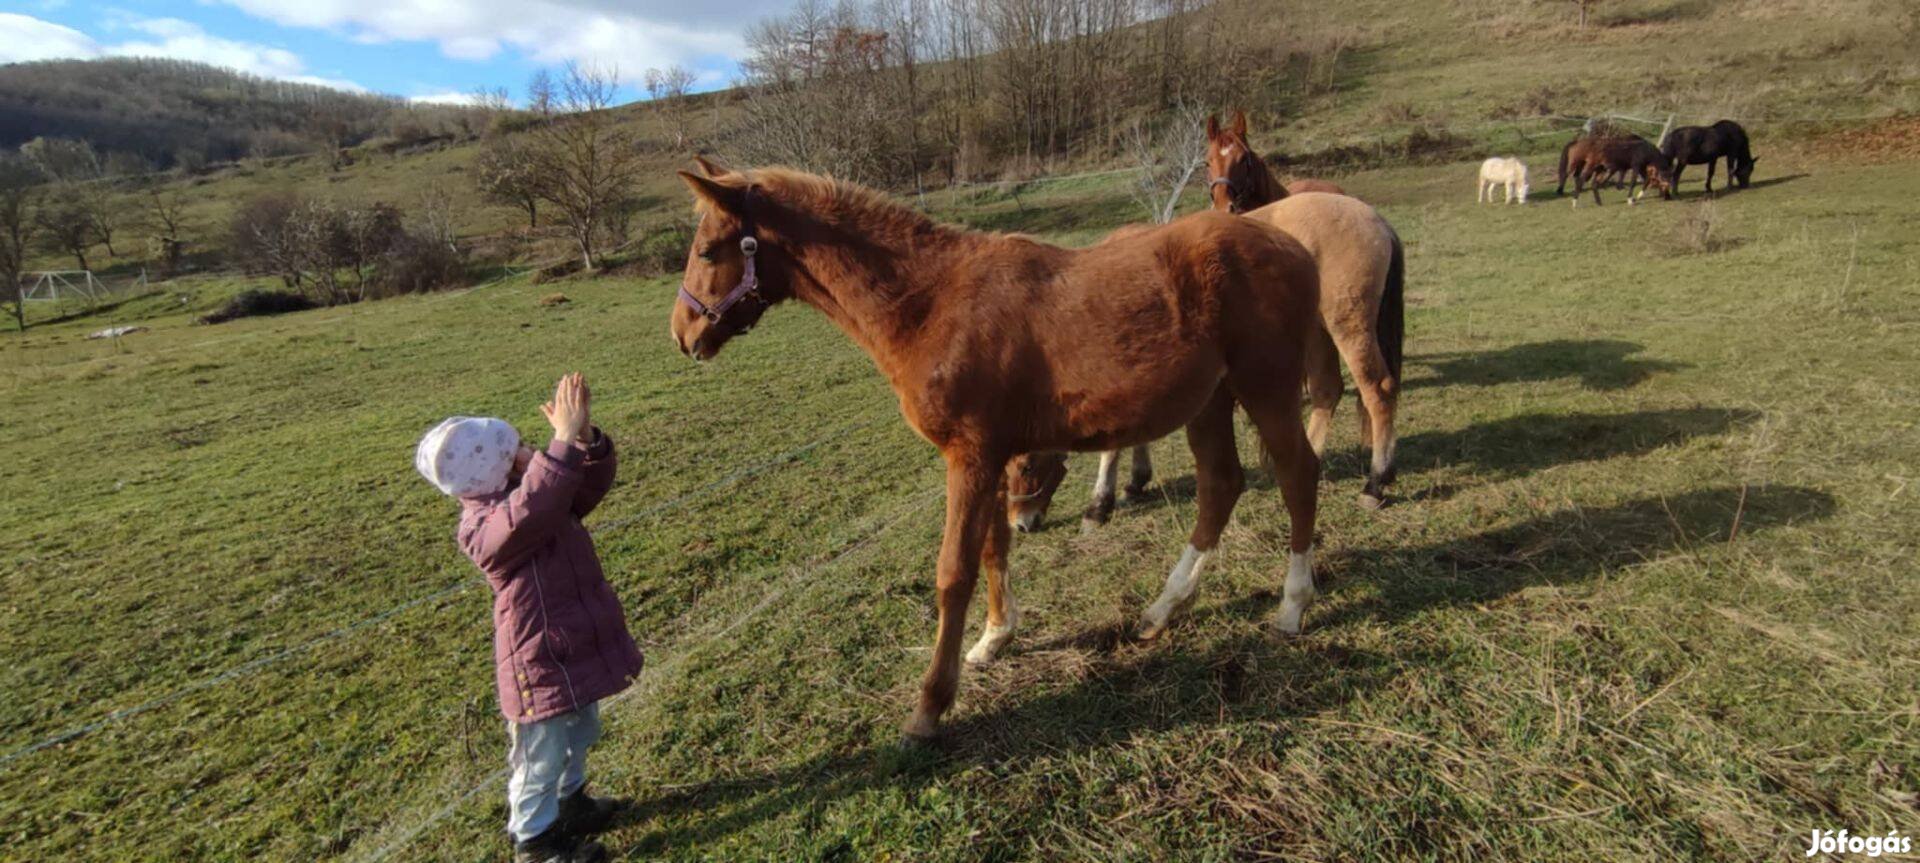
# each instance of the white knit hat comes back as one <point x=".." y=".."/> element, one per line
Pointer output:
<point x="466" y="456"/>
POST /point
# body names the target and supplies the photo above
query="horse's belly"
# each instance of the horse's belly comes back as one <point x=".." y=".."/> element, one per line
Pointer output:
<point x="1142" y="406"/>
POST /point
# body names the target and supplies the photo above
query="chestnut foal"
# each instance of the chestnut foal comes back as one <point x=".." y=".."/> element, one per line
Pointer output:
<point x="998" y="345"/>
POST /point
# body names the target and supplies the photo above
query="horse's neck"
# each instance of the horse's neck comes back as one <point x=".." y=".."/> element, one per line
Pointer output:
<point x="1266" y="187"/>
<point x="878" y="290"/>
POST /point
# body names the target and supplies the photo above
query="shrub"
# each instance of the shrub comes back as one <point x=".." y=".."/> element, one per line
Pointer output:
<point x="416" y="261"/>
<point x="248" y="304"/>
<point x="663" y="251"/>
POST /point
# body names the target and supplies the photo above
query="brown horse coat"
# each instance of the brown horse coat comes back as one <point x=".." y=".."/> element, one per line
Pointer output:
<point x="997" y="345"/>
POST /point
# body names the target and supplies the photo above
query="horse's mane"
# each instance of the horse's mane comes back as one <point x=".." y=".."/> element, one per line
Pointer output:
<point x="841" y="202"/>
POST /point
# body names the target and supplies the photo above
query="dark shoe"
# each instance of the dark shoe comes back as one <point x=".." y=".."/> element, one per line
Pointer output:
<point x="583" y="813"/>
<point x="558" y="846"/>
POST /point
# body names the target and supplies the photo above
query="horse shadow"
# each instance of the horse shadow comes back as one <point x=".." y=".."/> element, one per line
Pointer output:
<point x="1599" y="364"/>
<point x="1520" y="445"/>
<point x="1501" y="449"/>
<point x="1718" y="191"/>
<point x="1120" y="689"/>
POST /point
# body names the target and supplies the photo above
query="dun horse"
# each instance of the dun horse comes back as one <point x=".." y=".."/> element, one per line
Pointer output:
<point x="1694" y="145"/>
<point x="998" y="344"/>
<point x="1361" y="320"/>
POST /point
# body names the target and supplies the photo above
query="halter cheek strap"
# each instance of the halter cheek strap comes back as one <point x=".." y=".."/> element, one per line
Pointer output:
<point x="749" y="286"/>
<point x="749" y="279"/>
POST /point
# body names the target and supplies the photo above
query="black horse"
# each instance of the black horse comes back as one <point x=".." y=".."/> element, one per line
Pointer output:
<point x="1693" y="145"/>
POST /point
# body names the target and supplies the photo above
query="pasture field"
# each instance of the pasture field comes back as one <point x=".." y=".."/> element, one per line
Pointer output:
<point x="1647" y="592"/>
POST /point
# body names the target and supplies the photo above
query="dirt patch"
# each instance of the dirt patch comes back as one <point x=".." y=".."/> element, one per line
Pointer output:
<point x="1891" y="140"/>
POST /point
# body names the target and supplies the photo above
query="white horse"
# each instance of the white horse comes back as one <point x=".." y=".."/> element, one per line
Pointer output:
<point x="1503" y="171"/>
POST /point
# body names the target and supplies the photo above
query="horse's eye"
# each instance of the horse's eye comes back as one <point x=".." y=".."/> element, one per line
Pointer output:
<point x="707" y="256"/>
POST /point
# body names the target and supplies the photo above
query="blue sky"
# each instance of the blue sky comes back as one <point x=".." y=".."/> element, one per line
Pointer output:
<point x="425" y="49"/>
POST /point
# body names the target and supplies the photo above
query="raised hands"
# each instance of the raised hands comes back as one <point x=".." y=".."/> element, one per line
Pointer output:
<point x="567" y="412"/>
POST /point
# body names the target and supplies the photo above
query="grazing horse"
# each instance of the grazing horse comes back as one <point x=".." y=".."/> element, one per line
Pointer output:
<point x="1694" y="145"/>
<point x="1361" y="320"/>
<point x="1506" y="171"/>
<point x="1592" y="159"/>
<point x="998" y="344"/>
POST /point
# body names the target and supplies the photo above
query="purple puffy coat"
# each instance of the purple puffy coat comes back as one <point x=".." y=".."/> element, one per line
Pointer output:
<point x="560" y="640"/>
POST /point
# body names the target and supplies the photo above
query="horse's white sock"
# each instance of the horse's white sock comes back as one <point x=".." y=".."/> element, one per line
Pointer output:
<point x="992" y="638"/>
<point x="1181" y="584"/>
<point x="1298" y="593"/>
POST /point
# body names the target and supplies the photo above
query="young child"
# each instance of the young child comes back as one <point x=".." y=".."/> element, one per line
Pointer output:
<point x="560" y="641"/>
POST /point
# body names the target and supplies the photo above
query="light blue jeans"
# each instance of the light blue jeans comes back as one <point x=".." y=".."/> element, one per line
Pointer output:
<point x="547" y="760"/>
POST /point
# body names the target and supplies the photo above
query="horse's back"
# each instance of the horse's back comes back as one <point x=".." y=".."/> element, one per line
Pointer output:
<point x="1303" y="186"/>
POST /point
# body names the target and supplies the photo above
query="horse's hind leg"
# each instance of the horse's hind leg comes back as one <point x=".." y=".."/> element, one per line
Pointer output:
<point x="1142" y="473"/>
<point x="1101" y="507"/>
<point x="1323" y="385"/>
<point x="1219" y="480"/>
<point x="1379" y="400"/>
<point x="1276" y="413"/>
<point x="1002" y="614"/>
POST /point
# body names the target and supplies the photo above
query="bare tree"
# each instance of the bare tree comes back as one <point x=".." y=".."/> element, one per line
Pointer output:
<point x="18" y="179"/>
<point x="1165" y="160"/>
<point x="63" y="160"/>
<point x="65" y="226"/>
<point x="507" y="173"/>
<point x="586" y="164"/>
<point x="164" y="209"/>
<point x="667" y="96"/>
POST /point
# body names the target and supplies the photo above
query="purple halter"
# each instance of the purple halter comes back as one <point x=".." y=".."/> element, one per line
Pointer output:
<point x="749" y="281"/>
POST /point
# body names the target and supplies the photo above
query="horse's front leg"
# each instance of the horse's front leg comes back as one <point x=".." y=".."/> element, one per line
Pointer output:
<point x="1002" y="614"/>
<point x="1710" y="164"/>
<point x="972" y="480"/>
<point x="1101" y="507"/>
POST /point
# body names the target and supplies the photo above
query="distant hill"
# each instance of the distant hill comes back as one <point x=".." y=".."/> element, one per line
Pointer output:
<point x="170" y="111"/>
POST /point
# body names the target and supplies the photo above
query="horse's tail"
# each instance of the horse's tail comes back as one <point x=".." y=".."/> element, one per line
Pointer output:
<point x="1391" y="326"/>
<point x="1563" y="164"/>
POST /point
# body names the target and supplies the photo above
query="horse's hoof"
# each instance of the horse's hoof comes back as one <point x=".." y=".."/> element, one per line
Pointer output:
<point x="1372" y="502"/>
<point x="920" y="732"/>
<point x="1149" y="630"/>
<point x="1133" y="492"/>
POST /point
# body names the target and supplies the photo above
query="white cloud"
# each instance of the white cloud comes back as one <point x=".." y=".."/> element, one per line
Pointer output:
<point x="24" y="38"/>
<point x="609" y="32"/>
<point x="446" y="98"/>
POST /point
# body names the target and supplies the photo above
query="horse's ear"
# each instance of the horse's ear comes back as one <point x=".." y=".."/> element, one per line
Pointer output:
<point x="710" y="168"/>
<point x="1240" y="124"/>
<point x="1213" y="127"/>
<point x="721" y="197"/>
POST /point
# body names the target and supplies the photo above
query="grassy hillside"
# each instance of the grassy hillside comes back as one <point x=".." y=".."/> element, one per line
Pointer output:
<point x="1476" y="76"/>
<point x="1647" y="596"/>
<point x="1647" y="593"/>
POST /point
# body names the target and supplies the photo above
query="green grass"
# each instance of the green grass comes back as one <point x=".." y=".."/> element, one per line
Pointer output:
<point x="1647" y="593"/>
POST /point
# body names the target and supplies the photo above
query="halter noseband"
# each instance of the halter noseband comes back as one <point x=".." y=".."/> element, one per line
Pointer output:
<point x="1233" y="198"/>
<point x="749" y="286"/>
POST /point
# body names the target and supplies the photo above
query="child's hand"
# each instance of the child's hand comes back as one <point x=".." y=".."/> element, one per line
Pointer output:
<point x="567" y="413"/>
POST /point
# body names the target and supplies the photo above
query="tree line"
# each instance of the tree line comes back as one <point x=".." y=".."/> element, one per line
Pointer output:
<point x="146" y="113"/>
<point x="907" y="92"/>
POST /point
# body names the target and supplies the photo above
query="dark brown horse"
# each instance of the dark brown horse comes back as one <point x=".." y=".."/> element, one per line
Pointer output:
<point x="998" y="345"/>
<point x="1592" y="158"/>
<point x="1361" y="321"/>
<point x="1695" y="145"/>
